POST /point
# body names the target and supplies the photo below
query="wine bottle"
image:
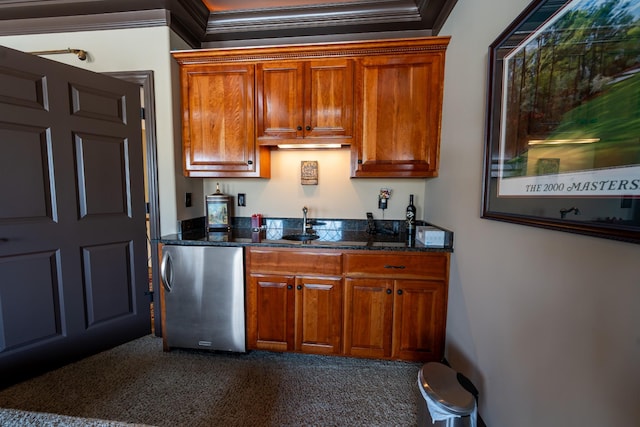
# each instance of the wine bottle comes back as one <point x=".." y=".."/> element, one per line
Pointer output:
<point x="411" y="216"/>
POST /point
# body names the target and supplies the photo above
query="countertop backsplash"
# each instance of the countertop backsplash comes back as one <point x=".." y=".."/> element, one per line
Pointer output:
<point x="329" y="231"/>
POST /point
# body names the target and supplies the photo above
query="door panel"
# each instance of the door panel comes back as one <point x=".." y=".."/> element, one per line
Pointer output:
<point x="400" y="101"/>
<point x="218" y="121"/>
<point x="368" y="325"/>
<point x="319" y="315"/>
<point x="280" y="98"/>
<point x="418" y="320"/>
<point x="108" y="287"/>
<point x="329" y="108"/>
<point x="73" y="270"/>
<point x="30" y="299"/>
<point x="270" y="312"/>
<point x="26" y="159"/>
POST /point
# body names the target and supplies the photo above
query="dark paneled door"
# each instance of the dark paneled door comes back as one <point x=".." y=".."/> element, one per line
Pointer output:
<point x="73" y="263"/>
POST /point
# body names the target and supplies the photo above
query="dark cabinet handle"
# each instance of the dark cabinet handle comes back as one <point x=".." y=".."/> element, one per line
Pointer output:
<point x="399" y="291"/>
<point x="299" y="127"/>
<point x="299" y="287"/>
<point x="289" y="286"/>
<point x="389" y="291"/>
<point x="399" y="267"/>
<point x="308" y="128"/>
<point x="249" y="162"/>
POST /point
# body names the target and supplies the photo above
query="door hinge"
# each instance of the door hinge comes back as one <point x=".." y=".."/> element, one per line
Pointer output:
<point x="142" y="113"/>
<point x="150" y="293"/>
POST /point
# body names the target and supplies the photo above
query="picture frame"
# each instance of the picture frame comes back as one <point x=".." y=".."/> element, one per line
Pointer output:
<point x="563" y="119"/>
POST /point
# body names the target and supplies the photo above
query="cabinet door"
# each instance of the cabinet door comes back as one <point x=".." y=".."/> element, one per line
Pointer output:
<point x="218" y="122"/>
<point x="329" y="99"/>
<point x="318" y="315"/>
<point x="280" y="99"/>
<point x="419" y="316"/>
<point x="305" y="100"/>
<point x="368" y="317"/>
<point x="399" y="101"/>
<point x="270" y="312"/>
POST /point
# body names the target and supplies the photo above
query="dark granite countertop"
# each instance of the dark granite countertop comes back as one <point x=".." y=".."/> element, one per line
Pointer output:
<point x="332" y="234"/>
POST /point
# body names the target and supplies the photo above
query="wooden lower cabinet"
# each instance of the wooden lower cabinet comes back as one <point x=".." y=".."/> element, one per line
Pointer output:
<point x="396" y="305"/>
<point x="398" y="319"/>
<point x="385" y="305"/>
<point x="294" y="312"/>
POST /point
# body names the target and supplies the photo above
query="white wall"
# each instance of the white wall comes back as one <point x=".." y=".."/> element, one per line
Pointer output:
<point x="546" y="323"/>
<point x="335" y="196"/>
<point x="133" y="50"/>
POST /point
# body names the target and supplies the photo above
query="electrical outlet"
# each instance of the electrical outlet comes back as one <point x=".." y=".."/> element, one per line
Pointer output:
<point x="187" y="200"/>
<point x="242" y="199"/>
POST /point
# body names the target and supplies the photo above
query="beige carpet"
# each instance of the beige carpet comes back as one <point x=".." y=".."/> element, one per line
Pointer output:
<point x="137" y="383"/>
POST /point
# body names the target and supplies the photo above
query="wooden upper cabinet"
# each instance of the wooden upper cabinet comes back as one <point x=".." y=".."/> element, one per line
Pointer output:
<point x="307" y="101"/>
<point x="381" y="97"/>
<point x="398" y="104"/>
<point x="218" y="135"/>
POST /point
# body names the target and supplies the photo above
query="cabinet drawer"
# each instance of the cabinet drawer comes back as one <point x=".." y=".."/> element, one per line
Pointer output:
<point x="295" y="261"/>
<point x="424" y="265"/>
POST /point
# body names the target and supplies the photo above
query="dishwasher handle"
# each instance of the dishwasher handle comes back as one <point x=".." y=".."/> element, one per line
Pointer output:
<point x="164" y="266"/>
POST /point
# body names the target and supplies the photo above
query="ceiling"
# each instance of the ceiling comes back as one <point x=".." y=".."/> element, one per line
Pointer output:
<point x="203" y="23"/>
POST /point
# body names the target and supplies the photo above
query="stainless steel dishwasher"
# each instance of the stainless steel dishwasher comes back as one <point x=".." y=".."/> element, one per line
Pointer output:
<point x="204" y="297"/>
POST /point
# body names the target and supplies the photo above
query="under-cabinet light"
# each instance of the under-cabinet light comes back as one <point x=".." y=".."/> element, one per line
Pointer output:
<point x="296" y="146"/>
<point x="563" y="141"/>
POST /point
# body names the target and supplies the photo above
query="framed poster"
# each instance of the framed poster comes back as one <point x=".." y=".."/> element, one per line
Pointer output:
<point x="563" y="123"/>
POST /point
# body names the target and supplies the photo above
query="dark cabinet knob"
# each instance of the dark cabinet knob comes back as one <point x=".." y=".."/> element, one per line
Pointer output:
<point x="389" y="291"/>
<point x="299" y="287"/>
<point x="399" y="291"/>
<point x="308" y="128"/>
<point x="249" y="162"/>
<point x="289" y="286"/>
<point x="299" y="127"/>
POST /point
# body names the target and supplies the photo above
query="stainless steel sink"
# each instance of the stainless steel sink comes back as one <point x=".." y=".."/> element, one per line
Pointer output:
<point x="300" y="237"/>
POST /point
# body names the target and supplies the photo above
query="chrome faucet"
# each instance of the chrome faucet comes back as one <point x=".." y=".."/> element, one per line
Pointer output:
<point x="304" y="219"/>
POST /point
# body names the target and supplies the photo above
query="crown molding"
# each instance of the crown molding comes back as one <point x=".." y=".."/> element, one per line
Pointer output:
<point x="194" y="23"/>
<point x="333" y="18"/>
<point x="356" y="13"/>
<point x="104" y="21"/>
<point x="188" y="18"/>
